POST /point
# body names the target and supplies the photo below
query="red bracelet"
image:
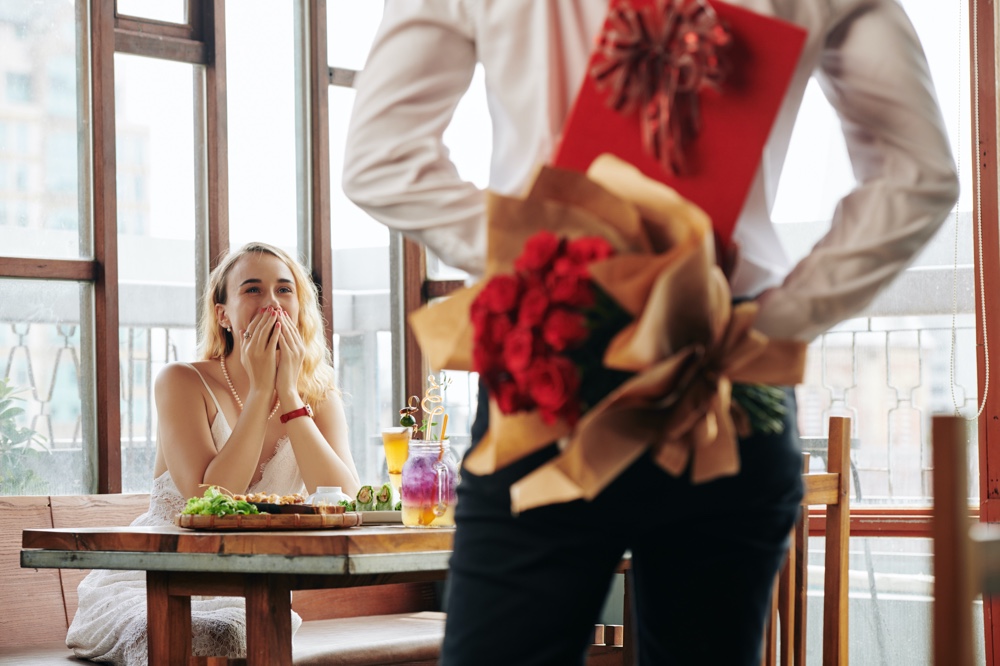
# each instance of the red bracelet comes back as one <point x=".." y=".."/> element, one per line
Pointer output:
<point x="296" y="413"/>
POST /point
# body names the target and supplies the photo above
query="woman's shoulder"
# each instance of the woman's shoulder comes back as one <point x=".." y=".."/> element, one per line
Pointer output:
<point x="331" y="403"/>
<point x="180" y="374"/>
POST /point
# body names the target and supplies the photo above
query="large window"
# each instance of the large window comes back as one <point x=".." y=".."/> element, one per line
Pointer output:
<point x="46" y="339"/>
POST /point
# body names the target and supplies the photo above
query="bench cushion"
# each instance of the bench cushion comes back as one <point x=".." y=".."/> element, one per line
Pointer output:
<point x="410" y="639"/>
<point x="404" y="638"/>
<point x="53" y="654"/>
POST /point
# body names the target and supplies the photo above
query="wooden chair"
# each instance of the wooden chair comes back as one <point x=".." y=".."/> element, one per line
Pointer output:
<point x="966" y="561"/>
<point x="785" y="634"/>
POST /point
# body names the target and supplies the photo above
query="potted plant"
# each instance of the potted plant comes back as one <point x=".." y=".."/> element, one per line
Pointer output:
<point x="16" y="474"/>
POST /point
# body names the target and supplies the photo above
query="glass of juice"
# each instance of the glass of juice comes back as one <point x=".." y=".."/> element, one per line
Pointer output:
<point x="397" y="444"/>
<point x="430" y="477"/>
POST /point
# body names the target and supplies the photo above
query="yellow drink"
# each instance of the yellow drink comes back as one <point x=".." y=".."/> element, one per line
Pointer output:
<point x="424" y="516"/>
<point x="397" y="447"/>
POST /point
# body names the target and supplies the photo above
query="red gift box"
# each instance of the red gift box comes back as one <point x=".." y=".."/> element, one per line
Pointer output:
<point x="735" y="122"/>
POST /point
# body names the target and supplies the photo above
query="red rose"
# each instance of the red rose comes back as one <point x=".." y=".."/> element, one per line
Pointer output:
<point x="564" y="328"/>
<point x="486" y="359"/>
<point x="500" y="294"/>
<point x="524" y="323"/>
<point x="538" y="252"/>
<point x="478" y="314"/>
<point x="534" y="304"/>
<point x="568" y="283"/>
<point x="589" y="248"/>
<point x="518" y="349"/>
<point x="553" y="381"/>
<point x="507" y="396"/>
<point x="489" y="335"/>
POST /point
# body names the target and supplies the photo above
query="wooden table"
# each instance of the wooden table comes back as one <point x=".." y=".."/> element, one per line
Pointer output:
<point x="264" y="567"/>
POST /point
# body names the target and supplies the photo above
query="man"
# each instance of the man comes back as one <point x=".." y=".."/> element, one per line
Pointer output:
<point x="527" y="589"/>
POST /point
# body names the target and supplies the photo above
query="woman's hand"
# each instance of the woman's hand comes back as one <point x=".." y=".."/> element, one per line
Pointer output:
<point x="290" y="356"/>
<point x="258" y="350"/>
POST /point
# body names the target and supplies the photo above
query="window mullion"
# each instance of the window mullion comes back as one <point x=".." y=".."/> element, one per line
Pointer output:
<point x="316" y="89"/>
<point x="105" y="211"/>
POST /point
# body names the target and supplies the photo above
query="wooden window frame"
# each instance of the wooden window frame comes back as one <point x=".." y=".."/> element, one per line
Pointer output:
<point x="988" y="261"/>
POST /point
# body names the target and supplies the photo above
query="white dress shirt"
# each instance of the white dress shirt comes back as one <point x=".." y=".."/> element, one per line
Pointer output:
<point x="864" y="54"/>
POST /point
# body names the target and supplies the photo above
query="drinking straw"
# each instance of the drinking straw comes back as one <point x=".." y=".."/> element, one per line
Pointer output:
<point x="444" y="427"/>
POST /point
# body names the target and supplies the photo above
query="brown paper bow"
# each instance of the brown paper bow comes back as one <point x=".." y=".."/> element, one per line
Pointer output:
<point x="686" y="345"/>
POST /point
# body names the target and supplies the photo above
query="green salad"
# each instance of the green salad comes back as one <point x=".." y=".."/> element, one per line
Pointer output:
<point x="216" y="503"/>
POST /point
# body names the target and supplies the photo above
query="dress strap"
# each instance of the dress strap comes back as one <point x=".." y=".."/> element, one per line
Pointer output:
<point x="210" y="392"/>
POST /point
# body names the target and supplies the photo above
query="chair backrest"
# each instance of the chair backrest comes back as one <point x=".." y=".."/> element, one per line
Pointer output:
<point x="966" y="561"/>
<point x="787" y="627"/>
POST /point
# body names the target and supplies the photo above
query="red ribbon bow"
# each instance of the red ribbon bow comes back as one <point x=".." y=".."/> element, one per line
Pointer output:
<point x="657" y="59"/>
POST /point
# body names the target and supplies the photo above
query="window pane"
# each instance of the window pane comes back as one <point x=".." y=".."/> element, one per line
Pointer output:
<point x="263" y="168"/>
<point x="891" y="368"/>
<point x="891" y="588"/>
<point x="351" y="27"/>
<point x="460" y="400"/>
<point x="171" y="11"/>
<point x="39" y="133"/>
<point x="363" y="341"/>
<point x="41" y="359"/>
<point x="156" y="230"/>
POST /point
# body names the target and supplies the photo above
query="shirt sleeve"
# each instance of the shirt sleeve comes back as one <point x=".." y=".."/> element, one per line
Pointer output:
<point x="873" y="71"/>
<point x="396" y="166"/>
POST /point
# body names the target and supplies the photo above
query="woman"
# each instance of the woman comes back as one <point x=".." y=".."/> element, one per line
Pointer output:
<point x="263" y="356"/>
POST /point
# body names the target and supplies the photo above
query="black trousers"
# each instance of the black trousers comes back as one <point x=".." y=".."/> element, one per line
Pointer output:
<point x="527" y="589"/>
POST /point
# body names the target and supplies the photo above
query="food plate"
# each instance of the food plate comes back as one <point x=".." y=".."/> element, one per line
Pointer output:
<point x="270" y="521"/>
<point x="381" y="517"/>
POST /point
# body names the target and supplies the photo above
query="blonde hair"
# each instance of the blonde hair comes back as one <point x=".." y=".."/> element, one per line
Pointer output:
<point x="317" y="377"/>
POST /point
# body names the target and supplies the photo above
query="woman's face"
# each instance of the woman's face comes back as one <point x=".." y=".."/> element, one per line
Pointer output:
<point x="255" y="282"/>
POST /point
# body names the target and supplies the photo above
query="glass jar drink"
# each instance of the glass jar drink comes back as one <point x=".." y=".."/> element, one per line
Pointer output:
<point x="396" y="442"/>
<point x="430" y="477"/>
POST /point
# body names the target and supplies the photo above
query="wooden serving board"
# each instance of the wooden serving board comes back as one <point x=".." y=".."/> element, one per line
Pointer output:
<point x="271" y="521"/>
<point x="298" y="508"/>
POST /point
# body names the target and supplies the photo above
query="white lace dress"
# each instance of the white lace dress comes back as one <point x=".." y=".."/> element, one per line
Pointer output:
<point x="110" y="622"/>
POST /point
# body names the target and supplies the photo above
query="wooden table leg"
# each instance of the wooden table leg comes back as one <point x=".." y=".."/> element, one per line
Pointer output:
<point x="269" y="621"/>
<point x="168" y="622"/>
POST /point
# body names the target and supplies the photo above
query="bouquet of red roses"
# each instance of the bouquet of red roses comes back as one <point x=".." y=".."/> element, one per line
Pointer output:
<point x="539" y="333"/>
<point x="612" y="330"/>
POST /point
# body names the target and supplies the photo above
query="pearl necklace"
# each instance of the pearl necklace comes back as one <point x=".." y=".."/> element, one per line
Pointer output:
<point x="232" y="389"/>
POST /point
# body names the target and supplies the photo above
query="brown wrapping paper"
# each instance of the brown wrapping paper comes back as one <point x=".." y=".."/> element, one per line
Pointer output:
<point x="687" y="343"/>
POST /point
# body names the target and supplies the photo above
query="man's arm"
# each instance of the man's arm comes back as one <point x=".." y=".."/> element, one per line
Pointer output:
<point x="396" y="166"/>
<point x="875" y="75"/>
